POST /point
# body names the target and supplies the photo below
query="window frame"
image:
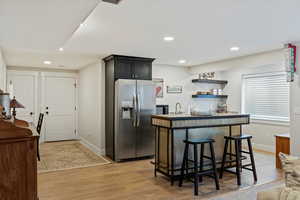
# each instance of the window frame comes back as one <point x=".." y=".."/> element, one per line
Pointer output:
<point x="271" y="120"/>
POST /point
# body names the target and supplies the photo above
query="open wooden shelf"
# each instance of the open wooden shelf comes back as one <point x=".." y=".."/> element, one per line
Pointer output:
<point x="209" y="81"/>
<point x="209" y="96"/>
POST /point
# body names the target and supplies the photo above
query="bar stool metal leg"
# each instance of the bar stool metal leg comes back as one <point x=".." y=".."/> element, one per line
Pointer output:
<point x="184" y="164"/>
<point x="213" y="159"/>
<point x="224" y="159"/>
<point x="201" y="161"/>
<point x="252" y="159"/>
<point x="196" y="175"/>
<point x="187" y="161"/>
<point x="238" y="162"/>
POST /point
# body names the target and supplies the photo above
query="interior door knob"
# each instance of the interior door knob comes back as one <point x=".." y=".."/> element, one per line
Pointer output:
<point x="31" y="113"/>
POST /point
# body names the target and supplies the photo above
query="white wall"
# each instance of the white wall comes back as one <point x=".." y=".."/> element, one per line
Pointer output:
<point x="172" y="76"/>
<point x="232" y="70"/>
<point x="177" y="75"/>
<point x="255" y="60"/>
<point x="2" y="72"/>
<point x="91" y="122"/>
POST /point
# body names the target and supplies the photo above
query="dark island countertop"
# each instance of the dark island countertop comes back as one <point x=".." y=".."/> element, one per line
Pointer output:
<point x="193" y="117"/>
<point x="187" y="120"/>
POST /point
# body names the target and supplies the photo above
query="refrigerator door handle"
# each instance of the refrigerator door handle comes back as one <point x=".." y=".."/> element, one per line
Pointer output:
<point x="138" y="110"/>
<point x="134" y="111"/>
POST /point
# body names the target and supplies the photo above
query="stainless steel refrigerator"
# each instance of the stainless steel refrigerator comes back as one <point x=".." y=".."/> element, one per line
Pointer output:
<point x="134" y="105"/>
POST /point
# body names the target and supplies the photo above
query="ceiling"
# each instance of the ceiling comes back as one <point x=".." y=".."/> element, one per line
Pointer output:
<point x="204" y="30"/>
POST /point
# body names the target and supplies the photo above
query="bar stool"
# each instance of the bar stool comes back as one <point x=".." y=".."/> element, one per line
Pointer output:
<point x="198" y="173"/>
<point x="238" y="159"/>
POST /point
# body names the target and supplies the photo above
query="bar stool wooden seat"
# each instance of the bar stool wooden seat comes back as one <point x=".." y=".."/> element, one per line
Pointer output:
<point x="238" y="158"/>
<point x="197" y="170"/>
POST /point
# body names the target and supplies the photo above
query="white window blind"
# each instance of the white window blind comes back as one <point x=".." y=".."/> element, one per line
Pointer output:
<point x="266" y="96"/>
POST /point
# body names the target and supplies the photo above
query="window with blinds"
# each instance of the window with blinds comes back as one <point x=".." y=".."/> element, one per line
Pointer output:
<point x="266" y="96"/>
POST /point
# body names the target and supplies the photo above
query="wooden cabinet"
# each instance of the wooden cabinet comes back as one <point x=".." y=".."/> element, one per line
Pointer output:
<point x="123" y="69"/>
<point x="126" y="67"/>
<point x="283" y="146"/>
<point x="18" y="163"/>
<point x="142" y="70"/>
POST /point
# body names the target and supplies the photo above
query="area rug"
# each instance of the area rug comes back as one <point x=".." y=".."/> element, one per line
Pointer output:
<point x="268" y="177"/>
<point x="67" y="155"/>
<point x="249" y="193"/>
<point x="229" y="190"/>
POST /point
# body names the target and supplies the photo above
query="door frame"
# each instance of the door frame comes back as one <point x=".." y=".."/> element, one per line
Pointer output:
<point x="36" y="87"/>
<point x="44" y="75"/>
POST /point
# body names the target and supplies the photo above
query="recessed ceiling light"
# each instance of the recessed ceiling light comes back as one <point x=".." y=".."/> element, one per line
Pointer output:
<point x="47" y="62"/>
<point x="182" y="61"/>
<point x="168" y="38"/>
<point x="234" y="48"/>
<point x="81" y="24"/>
<point x="61" y="49"/>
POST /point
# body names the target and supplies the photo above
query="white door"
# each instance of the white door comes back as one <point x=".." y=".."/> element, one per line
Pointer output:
<point x="24" y="86"/>
<point x="59" y="101"/>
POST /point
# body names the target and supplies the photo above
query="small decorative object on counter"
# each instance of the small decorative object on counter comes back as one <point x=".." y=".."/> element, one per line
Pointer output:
<point x="203" y="93"/>
<point x="207" y="75"/>
<point x="195" y="112"/>
<point x="220" y="92"/>
<point x="222" y="108"/>
<point x="214" y="91"/>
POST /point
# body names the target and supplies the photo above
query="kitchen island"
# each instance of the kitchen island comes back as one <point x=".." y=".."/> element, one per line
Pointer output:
<point x="172" y="129"/>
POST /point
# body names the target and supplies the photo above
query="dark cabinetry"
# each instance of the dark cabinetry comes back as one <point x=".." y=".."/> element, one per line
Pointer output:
<point x="120" y="67"/>
<point x="142" y="70"/>
<point x="123" y="69"/>
<point x="126" y="67"/>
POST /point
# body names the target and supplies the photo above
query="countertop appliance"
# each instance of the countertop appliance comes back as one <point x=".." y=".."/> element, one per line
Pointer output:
<point x="162" y="109"/>
<point x="134" y="105"/>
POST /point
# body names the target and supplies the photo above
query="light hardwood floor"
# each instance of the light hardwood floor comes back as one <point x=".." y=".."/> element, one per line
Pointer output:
<point x="135" y="180"/>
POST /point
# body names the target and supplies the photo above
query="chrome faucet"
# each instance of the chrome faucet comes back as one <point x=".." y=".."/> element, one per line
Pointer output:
<point x="176" y="108"/>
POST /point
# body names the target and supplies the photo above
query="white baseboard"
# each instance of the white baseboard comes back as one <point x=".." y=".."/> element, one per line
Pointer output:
<point x="262" y="147"/>
<point x="102" y="151"/>
<point x="92" y="147"/>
